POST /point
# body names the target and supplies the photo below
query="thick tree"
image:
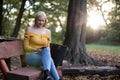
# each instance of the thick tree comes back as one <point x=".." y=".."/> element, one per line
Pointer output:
<point x="75" y="34"/>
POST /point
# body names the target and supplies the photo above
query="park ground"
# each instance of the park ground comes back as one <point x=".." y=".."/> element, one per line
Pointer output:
<point x="106" y="53"/>
<point x="110" y="54"/>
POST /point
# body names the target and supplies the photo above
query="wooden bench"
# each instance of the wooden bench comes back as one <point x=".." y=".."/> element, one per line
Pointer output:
<point x="11" y="48"/>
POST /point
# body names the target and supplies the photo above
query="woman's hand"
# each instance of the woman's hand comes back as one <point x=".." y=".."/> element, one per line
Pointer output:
<point x="37" y="49"/>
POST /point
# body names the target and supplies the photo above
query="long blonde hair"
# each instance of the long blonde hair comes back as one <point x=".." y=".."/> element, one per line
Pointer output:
<point x="41" y="13"/>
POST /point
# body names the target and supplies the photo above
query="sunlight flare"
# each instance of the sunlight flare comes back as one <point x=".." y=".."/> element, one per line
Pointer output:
<point x="95" y="20"/>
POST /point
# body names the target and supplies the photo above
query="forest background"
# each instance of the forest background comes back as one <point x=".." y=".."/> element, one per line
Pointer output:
<point x="102" y="19"/>
<point x="106" y="32"/>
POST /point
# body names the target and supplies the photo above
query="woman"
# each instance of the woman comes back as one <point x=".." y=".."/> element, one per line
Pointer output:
<point x="37" y="47"/>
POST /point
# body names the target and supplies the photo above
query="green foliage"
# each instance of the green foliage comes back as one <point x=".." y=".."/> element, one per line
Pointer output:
<point x="10" y="11"/>
<point x="57" y="37"/>
<point x="56" y="10"/>
<point x="8" y="26"/>
<point x="112" y="32"/>
<point x="112" y="21"/>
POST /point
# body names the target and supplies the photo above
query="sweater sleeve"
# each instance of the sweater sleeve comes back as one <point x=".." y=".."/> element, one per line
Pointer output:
<point x="27" y="47"/>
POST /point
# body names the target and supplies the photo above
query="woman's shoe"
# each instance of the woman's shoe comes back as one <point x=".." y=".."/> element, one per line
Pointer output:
<point x="47" y="75"/>
<point x="49" y="78"/>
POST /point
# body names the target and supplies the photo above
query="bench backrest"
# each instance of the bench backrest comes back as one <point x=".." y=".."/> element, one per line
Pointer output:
<point x="15" y="48"/>
<point x="11" y="48"/>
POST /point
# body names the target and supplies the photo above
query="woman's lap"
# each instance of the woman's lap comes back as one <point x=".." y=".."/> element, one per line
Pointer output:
<point x="34" y="60"/>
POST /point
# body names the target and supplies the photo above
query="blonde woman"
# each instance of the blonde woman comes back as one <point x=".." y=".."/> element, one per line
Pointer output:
<point x="37" y="47"/>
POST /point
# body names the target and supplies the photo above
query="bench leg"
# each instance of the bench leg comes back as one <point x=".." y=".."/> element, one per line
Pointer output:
<point x="8" y="62"/>
<point x="4" y="68"/>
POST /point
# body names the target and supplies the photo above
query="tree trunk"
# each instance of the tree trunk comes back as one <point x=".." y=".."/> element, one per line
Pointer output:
<point x="75" y="34"/>
<point x="1" y="16"/>
<point x="18" y="20"/>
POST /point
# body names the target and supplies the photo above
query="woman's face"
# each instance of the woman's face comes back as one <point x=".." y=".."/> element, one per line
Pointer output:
<point x="40" y="22"/>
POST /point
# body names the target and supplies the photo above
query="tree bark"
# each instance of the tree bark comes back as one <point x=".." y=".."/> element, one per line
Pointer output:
<point x="18" y="20"/>
<point x="75" y="34"/>
<point x="1" y="16"/>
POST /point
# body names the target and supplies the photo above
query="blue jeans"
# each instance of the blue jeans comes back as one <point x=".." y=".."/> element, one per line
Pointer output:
<point x="43" y="58"/>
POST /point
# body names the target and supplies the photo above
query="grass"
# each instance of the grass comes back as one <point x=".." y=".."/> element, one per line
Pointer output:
<point x="101" y="49"/>
<point x="106" y="53"/>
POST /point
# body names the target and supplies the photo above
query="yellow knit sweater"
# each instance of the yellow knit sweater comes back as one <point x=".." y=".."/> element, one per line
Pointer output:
<point x="33" y="40"/>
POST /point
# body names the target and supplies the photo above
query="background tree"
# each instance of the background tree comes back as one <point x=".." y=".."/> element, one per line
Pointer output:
<point x="57" y="13"/>
<point x="18" y="20"/>
<point x="10" y="12"/>
<point x="75" y="34"/>
<point x="112" y="31"/>
<point x="15" y="25"/>
<point x="1" y="16"/>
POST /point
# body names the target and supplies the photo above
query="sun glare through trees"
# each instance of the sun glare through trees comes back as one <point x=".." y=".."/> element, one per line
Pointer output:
<point x="95" y="19"/>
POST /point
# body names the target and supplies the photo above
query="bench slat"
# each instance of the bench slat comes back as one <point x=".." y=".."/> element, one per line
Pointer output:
<point x="27" y="73"/>
<point x="10" y="48"/>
